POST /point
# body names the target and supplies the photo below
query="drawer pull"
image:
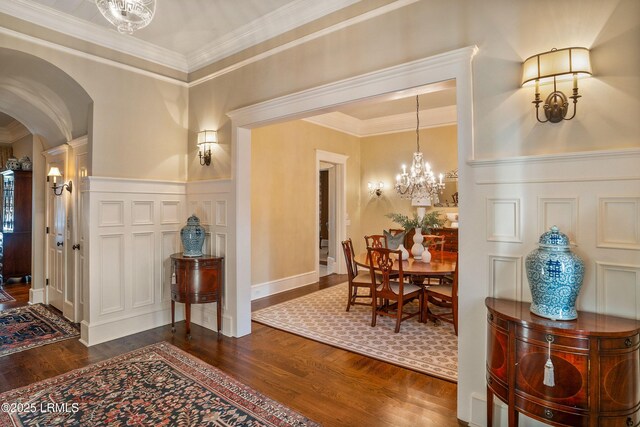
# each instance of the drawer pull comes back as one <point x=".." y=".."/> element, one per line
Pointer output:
<point x="629" y="422"/>
<point x="490" y="317"/>
<point x="548" y="413"/>
<point x="489" y="380"/>
<point x="550" y="338"/>
<point x="628" y="343"/>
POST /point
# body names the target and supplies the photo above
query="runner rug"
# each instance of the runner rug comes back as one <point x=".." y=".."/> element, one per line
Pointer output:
<point x="5" y="297"/>
<point x="157" y="385"/>
<point x="321" y="316"/>
<point x="31" y="326"/>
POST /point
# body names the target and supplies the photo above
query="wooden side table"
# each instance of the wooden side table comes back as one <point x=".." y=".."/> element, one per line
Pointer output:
<point x="596" y="362"/>
<point x="198" y="280"/>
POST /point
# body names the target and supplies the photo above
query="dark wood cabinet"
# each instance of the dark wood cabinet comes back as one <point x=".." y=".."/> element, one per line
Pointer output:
<point x="596" y="361"/>
<point x="450" y="238"/>
<point x="16" y="224"/>
<point x="196" y="280"/>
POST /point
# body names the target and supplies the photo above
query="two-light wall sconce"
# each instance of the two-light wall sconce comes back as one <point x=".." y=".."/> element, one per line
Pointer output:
<point x="375" y="188"/>
<point x="206" y="139"/>
<point x="54" y="173"/>
<point x="551" y="66"/>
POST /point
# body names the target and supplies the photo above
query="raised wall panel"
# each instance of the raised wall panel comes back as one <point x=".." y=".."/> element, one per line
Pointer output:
<point x="170" y="246"/>
<point x="111" y="213"/>
<point x="619" y="222"/>
<point x="221" y="213"/>
<point x="142" y="212"/>
<point x="221" y="244"/>
<point x="170" y="212"/>
<point x="561" y="212"/>
<point x="111" y="273"/>
<point x="143" y="255"/>
<point x="202" y="209"/>
<point x="503" y="220"/>
<point x="618" y="290"/>
<point x="505" y="277"/>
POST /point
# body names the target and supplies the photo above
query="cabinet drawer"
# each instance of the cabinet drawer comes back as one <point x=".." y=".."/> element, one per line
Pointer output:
<point x="203" y="298"/>
<point x="497" y="321"/>
<point x="619" y="343"/>
<point x="558" y="417"/>
<point x="632" y="420"/>
<point x="541" y="337"/>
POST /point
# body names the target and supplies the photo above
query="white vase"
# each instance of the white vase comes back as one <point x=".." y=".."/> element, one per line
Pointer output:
<point x="426" y="256"/>
<point x="405" y="252"/>
<point x="417" y="249"/>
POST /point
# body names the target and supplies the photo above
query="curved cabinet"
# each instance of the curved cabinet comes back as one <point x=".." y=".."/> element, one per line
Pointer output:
<point x="596" y="361"/>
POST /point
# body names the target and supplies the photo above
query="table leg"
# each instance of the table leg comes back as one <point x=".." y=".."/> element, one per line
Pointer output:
<point x="489" y="407"/>
<point x="187" y="307"/>
<point x="173" y="316"/>
<point x="219" y="311"/>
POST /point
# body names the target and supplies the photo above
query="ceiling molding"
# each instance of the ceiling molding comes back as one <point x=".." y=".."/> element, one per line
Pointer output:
<point x="13" y="132"/>
<point x="435" y="117"/>
<point x="266" y="27"/>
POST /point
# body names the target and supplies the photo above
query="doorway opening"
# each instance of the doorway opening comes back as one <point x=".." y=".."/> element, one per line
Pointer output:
<point x="326" y="213"/>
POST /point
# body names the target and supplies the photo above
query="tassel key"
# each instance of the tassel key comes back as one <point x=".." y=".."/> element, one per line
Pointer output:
<point x="549" y="376"/>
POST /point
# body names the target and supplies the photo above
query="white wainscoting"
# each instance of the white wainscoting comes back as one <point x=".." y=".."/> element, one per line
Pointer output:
<point x="135" y="227"/>
<point x="209" y="201"/>
<point x="593" y="197"/>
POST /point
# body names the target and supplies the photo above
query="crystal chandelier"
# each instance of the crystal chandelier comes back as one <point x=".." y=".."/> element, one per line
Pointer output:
<point x="127" y="15"/>
<point x="420" y="182"/>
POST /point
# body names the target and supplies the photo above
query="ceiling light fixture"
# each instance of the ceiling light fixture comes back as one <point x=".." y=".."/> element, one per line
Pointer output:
<point x="420" y="182"/>
<point x="127" y="15"/>
<point x="557" y="64"/>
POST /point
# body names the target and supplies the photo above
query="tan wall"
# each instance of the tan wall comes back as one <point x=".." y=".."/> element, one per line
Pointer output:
<point x="283" y="195"/>
<point x="382" y="158"/>
<point x="23" y="147"/>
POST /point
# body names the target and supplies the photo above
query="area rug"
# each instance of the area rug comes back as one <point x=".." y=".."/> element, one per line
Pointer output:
<point x="157" y="385"/>
<point x="5" y="297"/>
<point x="31" y="326"/>
<point x="321" y="316"/>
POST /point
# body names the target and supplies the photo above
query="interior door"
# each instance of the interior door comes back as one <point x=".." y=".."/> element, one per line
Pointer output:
<point x="55" y="249"/>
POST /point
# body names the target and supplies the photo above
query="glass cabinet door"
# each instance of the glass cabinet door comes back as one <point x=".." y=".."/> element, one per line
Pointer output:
<point x="7" y="203"/>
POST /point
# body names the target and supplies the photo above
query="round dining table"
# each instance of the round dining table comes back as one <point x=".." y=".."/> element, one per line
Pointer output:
<point x="441" y="264"/>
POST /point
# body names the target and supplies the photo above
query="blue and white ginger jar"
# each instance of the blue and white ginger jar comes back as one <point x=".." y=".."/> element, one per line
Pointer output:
<point x="555" y="277"/>
<point x="192" y="236"/>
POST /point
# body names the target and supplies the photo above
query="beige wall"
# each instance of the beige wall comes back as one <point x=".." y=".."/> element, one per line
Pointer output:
<point x="382" y="158"/>
<point x="23" y="147"/>
<point x="283" y="195"/>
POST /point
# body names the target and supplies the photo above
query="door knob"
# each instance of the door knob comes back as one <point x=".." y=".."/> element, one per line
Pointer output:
<point x="59" y="243"/>
<point x="74" y="247"/>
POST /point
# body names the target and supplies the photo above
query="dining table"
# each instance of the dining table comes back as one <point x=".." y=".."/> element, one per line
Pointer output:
<point x="441" y="264"/>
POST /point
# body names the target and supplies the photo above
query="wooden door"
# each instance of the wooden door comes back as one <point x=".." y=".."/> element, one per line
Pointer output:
<point x="55" y="248"/>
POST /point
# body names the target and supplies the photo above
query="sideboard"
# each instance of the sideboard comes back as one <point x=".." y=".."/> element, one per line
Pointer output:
<point x="596" y="367"/>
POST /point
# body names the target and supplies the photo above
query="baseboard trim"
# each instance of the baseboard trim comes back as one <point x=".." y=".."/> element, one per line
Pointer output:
<point x="281" y="285"/>
<point x="36" y="296"/>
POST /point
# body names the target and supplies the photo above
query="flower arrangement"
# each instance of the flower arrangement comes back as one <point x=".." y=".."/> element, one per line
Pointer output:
<point x="428" y="221"/>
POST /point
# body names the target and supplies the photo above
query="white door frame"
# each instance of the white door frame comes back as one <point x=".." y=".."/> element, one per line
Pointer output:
<point x="340" y="162"/>
<point x="382" y="84"/>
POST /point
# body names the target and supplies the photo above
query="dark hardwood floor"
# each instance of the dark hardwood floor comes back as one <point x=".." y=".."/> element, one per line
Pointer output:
<point x="329" y="385"/>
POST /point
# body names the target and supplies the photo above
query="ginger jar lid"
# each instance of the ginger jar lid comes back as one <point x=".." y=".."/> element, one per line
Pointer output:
<point x="193" y="220"/>
<point x="554" y="239"/>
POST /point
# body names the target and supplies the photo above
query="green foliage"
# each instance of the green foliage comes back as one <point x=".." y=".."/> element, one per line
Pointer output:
<point x="429" y="221"/>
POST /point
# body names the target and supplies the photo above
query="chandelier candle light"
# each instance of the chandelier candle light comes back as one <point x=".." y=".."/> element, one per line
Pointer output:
<point x="127" y="15"/>
<point x="420" y="181"/>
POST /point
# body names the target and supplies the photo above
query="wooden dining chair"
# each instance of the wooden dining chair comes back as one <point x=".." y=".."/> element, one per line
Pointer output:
<point x="357" y="280"/>
<point x="435" y="244"/>
<point x="381" y="263"/>
<point x="376" y="241"/>
<point x="445" y="297"/>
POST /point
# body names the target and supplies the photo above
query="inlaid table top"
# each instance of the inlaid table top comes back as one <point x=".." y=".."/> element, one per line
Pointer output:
<point x="441" y="264"/>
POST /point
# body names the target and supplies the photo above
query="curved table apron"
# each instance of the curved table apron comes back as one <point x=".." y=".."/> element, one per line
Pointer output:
<point x="441" y="264"/>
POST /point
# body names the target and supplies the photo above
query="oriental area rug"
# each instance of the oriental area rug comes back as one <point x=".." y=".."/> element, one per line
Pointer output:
<point x="157" y="385"/>
<point x="5" y="297"/>
<point x="31" y="326"/>
<point x="321" y="316"/>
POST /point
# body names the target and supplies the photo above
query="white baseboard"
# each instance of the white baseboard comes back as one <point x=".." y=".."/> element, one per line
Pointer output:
<point x="500" y="415"/>
<point x="276" y="286"/>
<point x="205" y="316"/>
<point x="36" y="296"/>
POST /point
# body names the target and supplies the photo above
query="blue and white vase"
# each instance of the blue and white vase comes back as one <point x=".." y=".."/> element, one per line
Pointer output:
<point x="192" y="236"/>
<point x="555" y="277"/>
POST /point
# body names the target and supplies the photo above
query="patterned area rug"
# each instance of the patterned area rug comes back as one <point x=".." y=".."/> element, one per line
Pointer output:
<point x="31" y="326"/>
<point x="158" y="385"/>
<point x="321" y="316"/>
<point x="5" y="297"/>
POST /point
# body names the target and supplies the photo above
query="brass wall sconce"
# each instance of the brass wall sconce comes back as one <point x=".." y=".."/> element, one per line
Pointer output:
<point x="206" y="139"/>
<point x="375" y="189"/>
<point x="556" y="64"/>
<point x="54" y="173"/>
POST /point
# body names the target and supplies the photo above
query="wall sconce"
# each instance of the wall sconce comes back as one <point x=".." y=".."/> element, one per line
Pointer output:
<point x="205" y="139"/>
<point x="54" y="172"/>
<point x="375" y="189"/>
<point x="557" y="64"/>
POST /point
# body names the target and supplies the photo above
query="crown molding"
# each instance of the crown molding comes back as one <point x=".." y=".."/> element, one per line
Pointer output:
<point x="57" y="21"/>
<point x="264" y="28"/>
<point x="13" y="132"/>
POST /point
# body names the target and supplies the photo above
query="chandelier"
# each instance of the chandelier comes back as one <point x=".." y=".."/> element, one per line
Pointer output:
<point x="420" y="182"/>
<point x="127" y="15"/>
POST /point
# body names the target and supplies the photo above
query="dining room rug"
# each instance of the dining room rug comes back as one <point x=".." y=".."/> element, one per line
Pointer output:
<point x="22" y="328"/>
<point x="157" y="385"/>
<point x="5" y="297"/>
<point x="321" y="316"/>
